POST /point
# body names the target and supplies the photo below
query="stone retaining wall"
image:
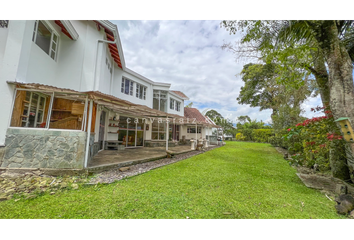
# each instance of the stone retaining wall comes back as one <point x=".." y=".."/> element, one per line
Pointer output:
<point x="151" y="143"/>
<point x="33" y="148"/>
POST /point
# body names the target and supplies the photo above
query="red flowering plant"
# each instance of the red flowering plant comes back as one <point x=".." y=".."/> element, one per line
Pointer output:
<point x="313" y="138"/>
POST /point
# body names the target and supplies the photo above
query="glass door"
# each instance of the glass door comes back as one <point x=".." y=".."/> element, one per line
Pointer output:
<point x="131" y="134"/>
<point x="123" y="126"/>
<point x="140" y="134"/>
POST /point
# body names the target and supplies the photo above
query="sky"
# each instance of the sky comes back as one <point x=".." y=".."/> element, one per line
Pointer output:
<point x="188" y="55"/>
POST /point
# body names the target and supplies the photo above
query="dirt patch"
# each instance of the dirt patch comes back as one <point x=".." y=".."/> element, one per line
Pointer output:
<point x="32" y="184"/>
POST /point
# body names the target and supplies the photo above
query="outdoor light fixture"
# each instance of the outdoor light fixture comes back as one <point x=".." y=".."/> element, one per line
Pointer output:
<point x="346" y="129"/>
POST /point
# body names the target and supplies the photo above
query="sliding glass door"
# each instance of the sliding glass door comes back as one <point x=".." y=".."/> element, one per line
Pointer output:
<point x="131" y="134"/>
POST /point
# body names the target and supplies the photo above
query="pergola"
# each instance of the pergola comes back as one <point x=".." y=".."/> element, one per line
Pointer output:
<point x="112" y="103"/>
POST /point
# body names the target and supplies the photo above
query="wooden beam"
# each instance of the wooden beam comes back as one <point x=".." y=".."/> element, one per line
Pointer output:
<point x="110" y="37"/>
<point x="110" y="45"/>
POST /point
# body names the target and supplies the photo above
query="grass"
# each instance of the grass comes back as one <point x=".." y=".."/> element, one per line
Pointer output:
<point x="240" y="180"/>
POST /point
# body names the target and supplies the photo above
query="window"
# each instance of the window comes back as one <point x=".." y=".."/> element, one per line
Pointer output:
<point x="192" y="130"/>
<point x="160" y="100"/>
<point x="127" y="86"/>
<point x="30" y="109"/>
<point x="178" y="106"/>
<point x="158" y="131"/>
<point x="140" y="91"/>
<point x="46" y="39"/>
<point x="172" y="103"/>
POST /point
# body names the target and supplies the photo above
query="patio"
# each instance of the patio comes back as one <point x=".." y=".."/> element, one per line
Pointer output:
<point x="108" y="159"/>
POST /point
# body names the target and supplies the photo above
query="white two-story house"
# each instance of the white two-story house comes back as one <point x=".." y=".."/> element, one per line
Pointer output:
<point x="66" y="94"/>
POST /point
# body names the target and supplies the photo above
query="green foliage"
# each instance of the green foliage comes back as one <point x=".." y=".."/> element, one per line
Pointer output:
<point x="310" y="141"/>
<point x="219" y="120"/>
<point x="262" y="135"/>
<point x="248" y="180"/>
<point x="254" y="135"/>
<point x="240" y="137"/>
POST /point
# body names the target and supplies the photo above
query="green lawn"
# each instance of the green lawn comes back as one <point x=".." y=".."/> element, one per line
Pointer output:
<point x="240" y="180"/>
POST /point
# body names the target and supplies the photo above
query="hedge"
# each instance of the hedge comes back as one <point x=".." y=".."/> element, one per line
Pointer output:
<point x="255" y="135"/>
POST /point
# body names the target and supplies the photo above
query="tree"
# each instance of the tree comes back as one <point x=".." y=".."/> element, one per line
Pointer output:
<point x="189" y="105"/>
<point x="244" y="119"/>
<point x="218" y="119"/>
<point x="262" y="90"/>
<point x="310" y="45"/>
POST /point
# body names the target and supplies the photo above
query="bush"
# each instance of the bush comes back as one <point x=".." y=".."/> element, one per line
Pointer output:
<point x="262" y="135"/>
<point x="310" y="141"/>
<point x="240" y="137"/>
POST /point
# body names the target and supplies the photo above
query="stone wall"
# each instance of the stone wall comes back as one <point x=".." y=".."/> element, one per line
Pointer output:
<point x="152" y="143"/>
<point x="33" y="148"/>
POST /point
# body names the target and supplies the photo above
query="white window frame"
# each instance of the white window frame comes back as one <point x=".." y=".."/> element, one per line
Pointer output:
<point x="178" y="106"/>
<point x="159" y="98"/>
<point x="172" y="103"/>
<point x="131" y="86"/>
<point x="53" y="32"/>
<point x="158" y="130"/>
<point x="139" y="94"/>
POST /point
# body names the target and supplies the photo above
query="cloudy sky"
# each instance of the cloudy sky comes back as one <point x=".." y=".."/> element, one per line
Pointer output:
<point x="188" y="55"/>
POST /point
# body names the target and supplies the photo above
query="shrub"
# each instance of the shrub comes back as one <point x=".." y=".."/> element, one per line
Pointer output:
<point x="240" y="137"/>
<point x="310" y="141"/>
<point x="262" y="135"/>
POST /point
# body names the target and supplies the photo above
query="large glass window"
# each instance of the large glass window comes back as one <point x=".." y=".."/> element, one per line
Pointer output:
<point x="30" y="109"/>
<point x="192" y="130"/>
<point x="46" y="39"/>
<point x="67" y="111"/>
<point x="160" y="100"/>
<point x="158" y="131"/>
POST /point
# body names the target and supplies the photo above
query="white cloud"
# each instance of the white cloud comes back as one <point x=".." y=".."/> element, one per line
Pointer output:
<point x="188" y="55"/>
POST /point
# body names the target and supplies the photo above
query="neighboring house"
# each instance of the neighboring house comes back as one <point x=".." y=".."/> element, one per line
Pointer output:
<point x="65" y="82"/>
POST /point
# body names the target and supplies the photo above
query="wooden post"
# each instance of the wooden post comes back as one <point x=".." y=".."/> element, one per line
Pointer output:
<point x="88" y="134"/>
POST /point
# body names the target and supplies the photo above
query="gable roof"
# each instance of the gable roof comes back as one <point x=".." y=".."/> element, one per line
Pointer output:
<point x="112" y="35"/>
<point x="181" y="94"/>
<point x="194" y="113"/>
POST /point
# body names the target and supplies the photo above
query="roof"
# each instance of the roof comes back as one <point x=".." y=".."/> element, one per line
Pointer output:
<point x="67" y="28"/>
<point x="193" y="113"/>
<point x="113" y="37"/>
<point x="181" y="94"/>
<point x="116" y="104"/>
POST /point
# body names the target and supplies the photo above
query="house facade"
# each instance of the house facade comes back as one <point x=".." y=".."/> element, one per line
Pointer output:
<point x="66" y="94"/>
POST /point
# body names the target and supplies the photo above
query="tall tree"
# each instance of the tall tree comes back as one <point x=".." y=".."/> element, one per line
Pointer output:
<point x="226" y="124"/>
<point x="262" y="90"/>
<point x="311" y="45"/>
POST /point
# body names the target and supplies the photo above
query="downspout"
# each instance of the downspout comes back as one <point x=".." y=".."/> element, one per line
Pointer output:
<point x="88" y="134"/>
<point x="167" y="134"/>
<point x="94" y="72"/>
<point x="111" y="90"/>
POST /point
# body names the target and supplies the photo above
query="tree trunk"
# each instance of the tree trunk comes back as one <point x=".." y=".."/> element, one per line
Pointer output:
<point x="340" y="83"/>
<point x="337" y="161"/>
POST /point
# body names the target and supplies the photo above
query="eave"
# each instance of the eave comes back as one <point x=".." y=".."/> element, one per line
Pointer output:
<point x="67" y="28"/>
<point x="112" y="34"/>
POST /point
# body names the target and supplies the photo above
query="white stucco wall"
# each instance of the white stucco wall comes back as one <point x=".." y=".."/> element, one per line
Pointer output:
<point x="23" y="61"/>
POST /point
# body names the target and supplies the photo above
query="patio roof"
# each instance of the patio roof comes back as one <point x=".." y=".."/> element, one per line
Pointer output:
<point x="113" y="103"/>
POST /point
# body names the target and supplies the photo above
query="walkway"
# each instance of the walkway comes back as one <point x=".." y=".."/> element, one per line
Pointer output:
<point x="108" y="159"/>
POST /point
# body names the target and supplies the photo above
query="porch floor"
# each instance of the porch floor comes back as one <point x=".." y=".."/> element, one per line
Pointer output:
<point x="108" y="159"/>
